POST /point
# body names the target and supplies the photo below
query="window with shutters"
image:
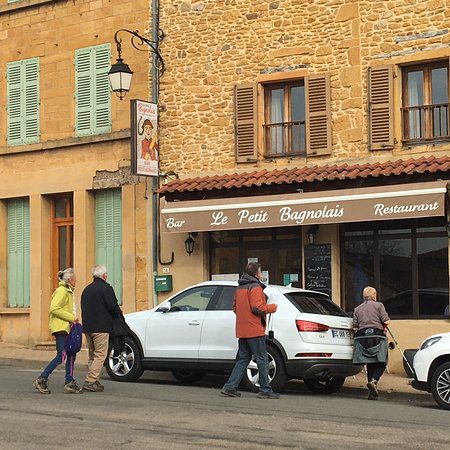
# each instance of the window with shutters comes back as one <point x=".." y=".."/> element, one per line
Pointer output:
<point x="92" y="94"/>
<point x="108" y="232"/>
<point x="23" y="101"/>
<point x="18" y="253"/>
<point x="285" y="119"/>
<point x="425" y="103"/>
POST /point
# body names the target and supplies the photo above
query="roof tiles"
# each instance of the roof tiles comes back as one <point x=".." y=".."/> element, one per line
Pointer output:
<point x="411" y="166"/>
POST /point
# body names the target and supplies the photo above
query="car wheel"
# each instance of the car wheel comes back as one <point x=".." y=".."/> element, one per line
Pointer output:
<point x="325" y="385"/>
<point x="188" y="376"/>
<point x="440" y="385"/>
<point x="277" y="372"/>
<point x="128" y="365"/>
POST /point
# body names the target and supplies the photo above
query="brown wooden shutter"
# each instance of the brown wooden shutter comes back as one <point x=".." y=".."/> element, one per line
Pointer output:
<point x="245" y="112"/>
<point x="381" y="129"/>
<point x="318" y="115"/>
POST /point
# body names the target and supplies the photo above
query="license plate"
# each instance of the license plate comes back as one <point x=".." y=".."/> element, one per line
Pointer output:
<point x="341" y="334"/>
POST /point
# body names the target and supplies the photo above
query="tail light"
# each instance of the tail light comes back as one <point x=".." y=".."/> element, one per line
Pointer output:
<point x="306" y="325"/>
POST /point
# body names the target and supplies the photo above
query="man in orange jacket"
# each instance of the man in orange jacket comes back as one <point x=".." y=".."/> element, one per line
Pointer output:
<point x="250" y="306"/>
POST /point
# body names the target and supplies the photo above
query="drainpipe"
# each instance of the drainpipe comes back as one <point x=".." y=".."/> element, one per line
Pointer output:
<point x="155" y="180"/>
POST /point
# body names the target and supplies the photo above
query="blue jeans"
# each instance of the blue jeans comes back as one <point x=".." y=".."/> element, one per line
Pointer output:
<point x="57" y="360"/>
<point x="247" y="347"/>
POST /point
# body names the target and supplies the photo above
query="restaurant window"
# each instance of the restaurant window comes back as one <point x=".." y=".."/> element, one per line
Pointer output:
<point x="425" y="103"/>
<point x="406" y="261"/>
<point x="277" y="249"/>
<point x="284" y="114"/>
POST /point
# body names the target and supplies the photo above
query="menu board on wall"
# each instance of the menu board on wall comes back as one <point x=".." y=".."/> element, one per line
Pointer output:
<point x="318" y="268"/>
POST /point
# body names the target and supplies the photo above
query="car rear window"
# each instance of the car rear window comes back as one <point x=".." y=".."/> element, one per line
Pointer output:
<point x="315" y="304"/>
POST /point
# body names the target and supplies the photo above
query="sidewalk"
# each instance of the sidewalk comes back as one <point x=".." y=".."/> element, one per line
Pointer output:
<point x="391" y="385"/>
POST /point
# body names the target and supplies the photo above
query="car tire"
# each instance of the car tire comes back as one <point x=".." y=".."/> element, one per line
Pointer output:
<point x="277" y="372"/>
<point x="440" y="385"/>
<point x="409" y="355"/>
<point x="126" y="367"/>
<point x="188" y="376"/>
<point x="325" y="385"/>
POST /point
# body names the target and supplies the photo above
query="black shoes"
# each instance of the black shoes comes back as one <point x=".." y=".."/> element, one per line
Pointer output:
<point x="270" y="396"/>
<point x="230" y="392"/>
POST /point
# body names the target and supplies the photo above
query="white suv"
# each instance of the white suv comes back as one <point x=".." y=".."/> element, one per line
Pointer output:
<point x="193" y="333"/>
<point x="432" y="368"/>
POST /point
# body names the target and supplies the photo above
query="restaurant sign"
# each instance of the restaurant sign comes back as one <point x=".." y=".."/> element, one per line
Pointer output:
<point x="350" y="205"/>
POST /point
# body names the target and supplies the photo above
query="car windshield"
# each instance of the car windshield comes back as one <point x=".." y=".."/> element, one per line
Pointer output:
<point x="315" y="304"/>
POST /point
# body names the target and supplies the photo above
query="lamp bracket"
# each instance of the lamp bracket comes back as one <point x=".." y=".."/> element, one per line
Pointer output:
<point x="138" y="41"/>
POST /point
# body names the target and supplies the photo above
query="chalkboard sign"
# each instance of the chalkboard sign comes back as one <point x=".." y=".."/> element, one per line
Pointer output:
<point x="318" y="268"/>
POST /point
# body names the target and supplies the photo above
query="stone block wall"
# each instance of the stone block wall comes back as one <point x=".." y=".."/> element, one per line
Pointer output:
<point x="210" y="46"/>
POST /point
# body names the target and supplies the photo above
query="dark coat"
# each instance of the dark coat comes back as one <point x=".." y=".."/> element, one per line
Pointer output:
<point x="99" y="307"/>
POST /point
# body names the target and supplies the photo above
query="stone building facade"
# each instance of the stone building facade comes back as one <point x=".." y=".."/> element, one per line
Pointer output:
<point x="59" y="161"/>
<point x="373" y="121"/>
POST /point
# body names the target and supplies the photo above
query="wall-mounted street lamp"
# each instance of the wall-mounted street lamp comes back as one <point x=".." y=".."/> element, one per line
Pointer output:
<point x="189" y="243"/>
<point x="120" y="74"/>
<point x="312" y="234"/>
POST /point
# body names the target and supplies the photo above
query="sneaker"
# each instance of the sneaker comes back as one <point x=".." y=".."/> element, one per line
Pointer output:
<point x="41" y="384"/>
<point x="230" y="392"/>
<point x="373" y="391"/>
<point x="102" y="388"/>
<point x="92" y="387"/>
<point x="72" y="388"/>
<point x="270" y="395"/>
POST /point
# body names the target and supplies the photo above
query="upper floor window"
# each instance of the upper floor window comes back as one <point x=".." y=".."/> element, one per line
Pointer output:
<point x="284" y="119"/>
<point x="425" y="103"/>
<point x="294" y="117"/>
<point x="23" y="101"/>
<point x="92" y="95"/>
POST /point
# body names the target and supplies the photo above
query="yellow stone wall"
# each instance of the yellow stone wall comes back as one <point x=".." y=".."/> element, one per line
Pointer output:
<point x="211" y="46"/>
<point x="61" y="162"/>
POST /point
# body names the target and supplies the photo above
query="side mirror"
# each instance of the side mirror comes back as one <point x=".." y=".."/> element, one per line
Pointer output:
<point x="165" y="307"/>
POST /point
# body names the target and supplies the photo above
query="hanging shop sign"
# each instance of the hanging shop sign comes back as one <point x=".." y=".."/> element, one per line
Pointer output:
<point x="144" y="138"/>
<point x="349" y="205"/>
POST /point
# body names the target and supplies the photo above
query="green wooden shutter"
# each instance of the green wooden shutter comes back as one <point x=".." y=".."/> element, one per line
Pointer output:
<point x="108" y="248"/>
<point x="102" y="96"/>
<point x="14" y="102"/>
<point x="31" y="100"/>
<point x="18" y="253"/>
<point x="23" y="101"/>
<point x="92" y="95"/>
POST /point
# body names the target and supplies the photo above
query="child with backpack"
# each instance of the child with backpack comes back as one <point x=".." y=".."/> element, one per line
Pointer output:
<point x="64" y="326"/>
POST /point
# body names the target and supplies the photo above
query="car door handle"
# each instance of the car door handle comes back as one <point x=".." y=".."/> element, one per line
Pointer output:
<point x="194" y="323"/>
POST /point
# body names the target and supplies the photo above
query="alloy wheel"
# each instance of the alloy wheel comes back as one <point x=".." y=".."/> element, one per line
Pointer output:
<point x="122" y="364"/>
<point x="443" y="386"/>
<point x="253" y="373"/>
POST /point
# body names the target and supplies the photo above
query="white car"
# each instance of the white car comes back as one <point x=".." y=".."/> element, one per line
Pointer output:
<point x="193" y="333"/>
<point x="432" y="368"/>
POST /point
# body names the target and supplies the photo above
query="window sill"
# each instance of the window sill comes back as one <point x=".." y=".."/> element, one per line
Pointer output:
<point x="69" y="142"/>
<point x="4" y="311"/>
<point x="284" y="155"/>
<point x="24" y="4"/>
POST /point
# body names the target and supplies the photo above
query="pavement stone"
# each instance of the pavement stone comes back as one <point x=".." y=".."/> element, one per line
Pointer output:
<point x="390" y="386"/>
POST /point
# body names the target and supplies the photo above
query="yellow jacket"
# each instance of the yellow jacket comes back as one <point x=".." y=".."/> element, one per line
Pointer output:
<point x="61" y="309"/>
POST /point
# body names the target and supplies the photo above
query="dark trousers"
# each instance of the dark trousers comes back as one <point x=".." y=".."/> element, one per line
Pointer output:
<point x="247" y="347"/>
<point x="375" y="370"/>
<point x="58" y="359"/>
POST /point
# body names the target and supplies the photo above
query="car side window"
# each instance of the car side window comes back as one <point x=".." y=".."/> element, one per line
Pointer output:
<point x="196" y="299"/>
<point x="226" y="298"/>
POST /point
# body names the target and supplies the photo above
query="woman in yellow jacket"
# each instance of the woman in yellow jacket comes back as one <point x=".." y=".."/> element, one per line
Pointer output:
<point x="62" y="314"/>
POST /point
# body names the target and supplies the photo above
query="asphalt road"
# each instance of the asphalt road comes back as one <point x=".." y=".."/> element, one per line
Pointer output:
<point x="159" y="413"/>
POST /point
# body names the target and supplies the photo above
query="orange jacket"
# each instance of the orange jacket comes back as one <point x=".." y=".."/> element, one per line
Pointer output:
<point x="250" y="306"/>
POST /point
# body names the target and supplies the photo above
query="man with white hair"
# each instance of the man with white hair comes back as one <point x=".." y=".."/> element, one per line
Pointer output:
<point x="99" y="307"/>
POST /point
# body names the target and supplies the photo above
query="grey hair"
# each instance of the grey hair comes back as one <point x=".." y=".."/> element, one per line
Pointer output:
<point x="369" y="293"/>
<point x="66" y="274"/>
<point x="99" y="270"/>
